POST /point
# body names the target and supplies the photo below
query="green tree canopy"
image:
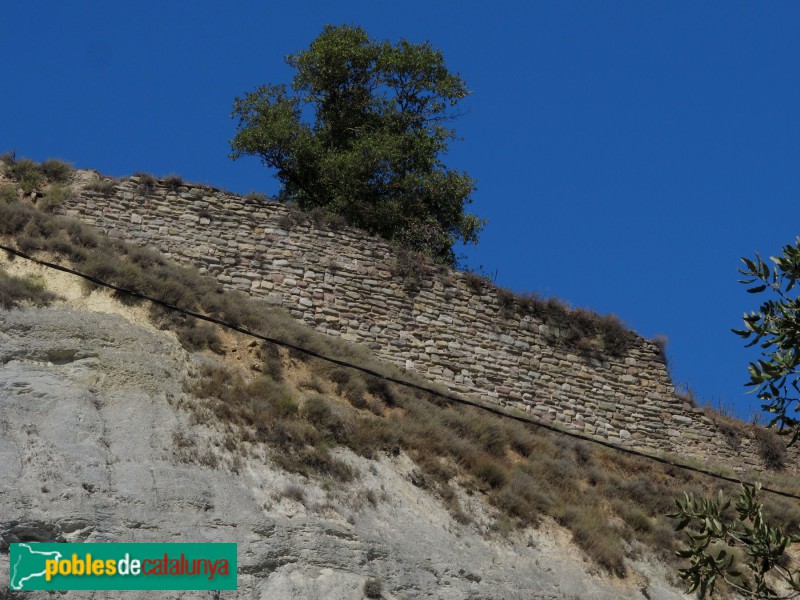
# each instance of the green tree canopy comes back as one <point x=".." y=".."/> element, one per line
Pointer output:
<point x="775" y="326"/>
<point x="747" y="551"/>
<point x="360" y="131"/>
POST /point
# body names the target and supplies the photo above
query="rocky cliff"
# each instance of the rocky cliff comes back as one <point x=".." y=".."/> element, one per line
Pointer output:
<point x="96" y="429"/>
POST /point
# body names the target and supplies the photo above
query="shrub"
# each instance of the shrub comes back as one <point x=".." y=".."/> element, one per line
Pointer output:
<point x="616" y="338"/>
<point x="505" y="298"/>
<point x="318" y="216"/>
<point x="591" y="533"/>
<point x="147" y="182"/>
<point x="335" y="222"/>
<point x="276" y="397"/>
<point x="56" y="170"/>
<point x="56" y="196"/>
<point x="645" y="493"/>
<point x="256" y="197"/>
<point x="732" y="430"/>
<point x="102" y="267"/>
<point x="197" y="336"/>
<point x="8" y="194"/>
<point x="27" y="173"/>
<point x="491" y="473"/>
<point x="41" y="226"/>
<point x="340" y="377"/>
<point x="101" y="186"/>
<point x="475" y="282"/>
<point x="771" y="448"/>
<point x="382" y="389"/>
<point x="661" y="341"/>
<point x="317" y="412"/>
<point x="411" y="267"/>
<point x="15" y="291"/>
<point x="294" y="492"/>
<point x="82" y="235"/>
<point x="272" y="363"/>
<point x="523" y="499"/>
<point x="686" y="394"/>
<point x="355" y="391"/>
<point x="173" y="181"/>
<point x="291" y="218"/>
<point x="15" y="217"/>
<point x="8" y="159"/>
<point x="309" y="461"/>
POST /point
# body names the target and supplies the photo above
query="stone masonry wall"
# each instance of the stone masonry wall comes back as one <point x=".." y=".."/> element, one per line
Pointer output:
<point x="450" y="330"/>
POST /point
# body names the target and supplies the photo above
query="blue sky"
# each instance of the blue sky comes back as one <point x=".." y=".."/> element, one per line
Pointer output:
<point x="627" y="153"/>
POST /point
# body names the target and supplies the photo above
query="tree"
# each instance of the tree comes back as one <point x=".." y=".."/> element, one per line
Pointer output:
<point x="360" y="132"/>
<point x="776" y="326"/>
<point x="745" y="550"/>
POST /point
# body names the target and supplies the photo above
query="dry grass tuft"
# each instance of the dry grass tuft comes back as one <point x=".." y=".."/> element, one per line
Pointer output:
<point x="20" y="291"/>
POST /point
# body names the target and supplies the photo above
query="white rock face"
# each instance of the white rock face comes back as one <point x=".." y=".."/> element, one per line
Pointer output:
<point x="89" y="415"/>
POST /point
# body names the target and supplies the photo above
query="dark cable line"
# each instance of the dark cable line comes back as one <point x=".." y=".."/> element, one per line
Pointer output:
<point x="408" y="384"/>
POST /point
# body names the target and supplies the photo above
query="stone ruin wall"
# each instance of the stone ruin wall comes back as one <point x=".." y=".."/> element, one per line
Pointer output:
<point x="344" y="283"/>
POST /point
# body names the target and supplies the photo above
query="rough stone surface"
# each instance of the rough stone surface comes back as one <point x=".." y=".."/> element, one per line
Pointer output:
<point x="89" y="417"/>
<point x="437" y="322"/>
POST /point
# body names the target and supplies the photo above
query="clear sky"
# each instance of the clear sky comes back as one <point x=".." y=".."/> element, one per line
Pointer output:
<point x="627" y="153"/>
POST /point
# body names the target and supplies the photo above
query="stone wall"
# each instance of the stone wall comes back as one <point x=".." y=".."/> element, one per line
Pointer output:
<point x="445" y="324"/>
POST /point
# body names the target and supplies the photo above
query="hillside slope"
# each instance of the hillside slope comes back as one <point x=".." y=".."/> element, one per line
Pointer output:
<point x="100" y="443"/>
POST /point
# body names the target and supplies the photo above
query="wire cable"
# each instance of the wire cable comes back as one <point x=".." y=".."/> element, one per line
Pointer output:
<point x="409" y="384"/>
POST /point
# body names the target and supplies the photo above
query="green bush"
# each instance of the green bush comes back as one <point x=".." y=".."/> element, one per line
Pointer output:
<point x="57" y="171"/>
<point x="55" y="196"/>
<point x="27" y="173"/>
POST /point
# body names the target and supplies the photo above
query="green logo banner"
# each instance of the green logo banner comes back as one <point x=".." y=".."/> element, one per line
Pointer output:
<point x="97" y="566"/>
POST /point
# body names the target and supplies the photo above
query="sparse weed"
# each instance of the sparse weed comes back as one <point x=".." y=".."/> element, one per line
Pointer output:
<point x="147" y="183"/>
<point x="256" y="197"/>
<point x="293" y="492"/>
<point x="101" y="186"/>
<point x="173" y="181"/>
